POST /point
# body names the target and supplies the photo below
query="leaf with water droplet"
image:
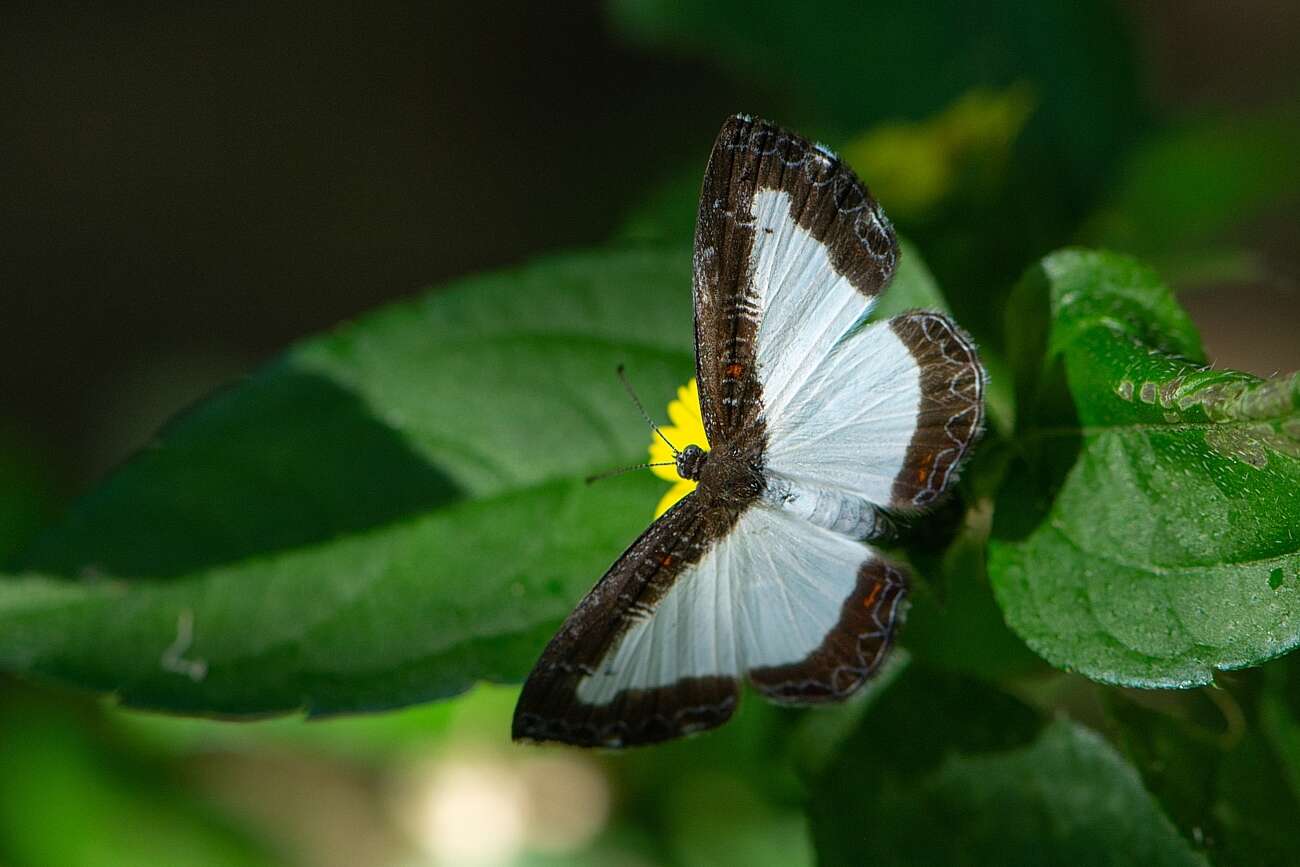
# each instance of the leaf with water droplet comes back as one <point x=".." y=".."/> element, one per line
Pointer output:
<point x="1151" y="493"/>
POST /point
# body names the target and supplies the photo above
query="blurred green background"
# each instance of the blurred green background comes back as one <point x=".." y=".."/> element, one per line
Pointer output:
<point x="189" y="187"/>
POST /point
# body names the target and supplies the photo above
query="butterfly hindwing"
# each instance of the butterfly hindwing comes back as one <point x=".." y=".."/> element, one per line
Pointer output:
<point x="950" y="413"/>
<point x="815" y="610"/>
<point x="618" y="673"/>
<point x="888" y="415"/>
<point x="656" y="649"/>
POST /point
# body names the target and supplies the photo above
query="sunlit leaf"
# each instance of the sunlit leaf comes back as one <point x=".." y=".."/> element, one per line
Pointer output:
<point x="1151" y="531"/>
<point x="385" y="515"/>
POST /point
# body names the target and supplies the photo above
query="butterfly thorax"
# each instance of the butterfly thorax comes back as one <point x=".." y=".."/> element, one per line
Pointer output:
<point x="730" y="476"/>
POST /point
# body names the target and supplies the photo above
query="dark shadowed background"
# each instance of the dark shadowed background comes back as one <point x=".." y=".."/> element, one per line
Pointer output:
<point x="189" y="187"/>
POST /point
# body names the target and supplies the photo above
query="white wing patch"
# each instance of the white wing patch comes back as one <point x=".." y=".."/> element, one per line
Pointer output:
<point x="766" y="594"/>
<point x="840" y="412"/>
<point x="806" y="305"/>
<point x="849" y="426"/>
<point x="798" y="578"/>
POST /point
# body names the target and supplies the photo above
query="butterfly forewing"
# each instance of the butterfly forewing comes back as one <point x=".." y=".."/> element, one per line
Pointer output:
<point x="787" y="236"/>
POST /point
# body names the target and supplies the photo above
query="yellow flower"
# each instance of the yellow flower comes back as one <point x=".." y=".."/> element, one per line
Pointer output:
<point x="687" y="428"/>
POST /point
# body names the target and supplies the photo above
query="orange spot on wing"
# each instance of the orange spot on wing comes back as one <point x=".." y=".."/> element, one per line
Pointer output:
<point x="666" y="560"/>
<point x="924" y="471"/>
<point x="872" y="596"/>
<point x="735" y="370"/>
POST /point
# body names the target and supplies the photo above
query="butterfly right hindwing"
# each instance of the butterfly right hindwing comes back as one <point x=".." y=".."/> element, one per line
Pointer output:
<point x="655" y="651"/>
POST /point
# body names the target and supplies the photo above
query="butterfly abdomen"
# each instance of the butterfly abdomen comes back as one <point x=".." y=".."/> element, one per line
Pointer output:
<point x="838" y="511"/>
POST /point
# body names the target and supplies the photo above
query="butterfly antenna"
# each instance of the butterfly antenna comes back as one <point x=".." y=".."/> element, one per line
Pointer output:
<point x="605" y="475"/>
<point x="622" y="377"/>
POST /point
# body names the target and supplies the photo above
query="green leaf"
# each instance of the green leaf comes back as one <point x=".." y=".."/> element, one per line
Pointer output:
<point x="943" y="771"/>
<point x="1150" y="532"/>
<point x="385" y="515"/>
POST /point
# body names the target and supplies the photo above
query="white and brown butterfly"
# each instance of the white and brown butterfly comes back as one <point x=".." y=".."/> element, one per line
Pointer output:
<point x="819" y="427"/>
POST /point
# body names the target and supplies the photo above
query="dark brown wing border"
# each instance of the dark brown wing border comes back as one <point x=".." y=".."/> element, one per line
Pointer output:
<point x="852" y="651"/>
<point x="951" y="416"/>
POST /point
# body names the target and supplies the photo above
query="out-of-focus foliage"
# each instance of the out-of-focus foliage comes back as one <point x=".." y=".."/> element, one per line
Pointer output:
<point x="944" y="771"/>
<point x="76" y="794"/>
<point x="25" y="498"/>
<point x="915" y="166"/>
<point x="849" y="68"/>
<point x="1187" y="198"/>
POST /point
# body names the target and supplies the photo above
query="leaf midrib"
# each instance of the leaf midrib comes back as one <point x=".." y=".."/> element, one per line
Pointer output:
<point x="121" y="585"/>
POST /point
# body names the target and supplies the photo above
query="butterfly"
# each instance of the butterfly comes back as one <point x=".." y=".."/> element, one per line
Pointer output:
<point x="820" y="427"/>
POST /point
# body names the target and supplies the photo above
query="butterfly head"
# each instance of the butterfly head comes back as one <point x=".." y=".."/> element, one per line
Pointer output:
<point x="690" y="462"/>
